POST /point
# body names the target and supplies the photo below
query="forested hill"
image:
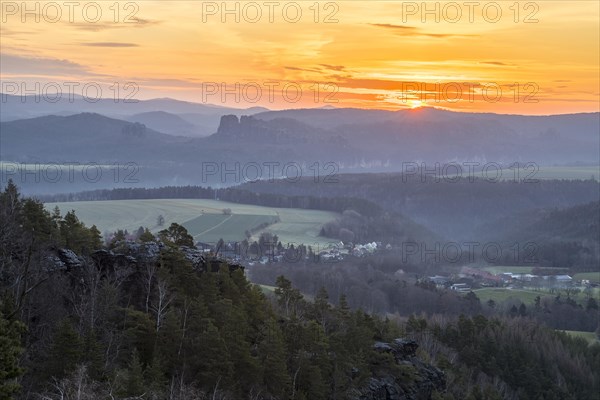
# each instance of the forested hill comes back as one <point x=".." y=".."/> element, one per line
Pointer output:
<point x="577" y="223"/>
<point x="149" y="320"/>
<point x="454" y="207"/>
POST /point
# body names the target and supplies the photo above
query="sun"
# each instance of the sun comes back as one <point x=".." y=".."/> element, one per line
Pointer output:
<point x="416" y="104"/>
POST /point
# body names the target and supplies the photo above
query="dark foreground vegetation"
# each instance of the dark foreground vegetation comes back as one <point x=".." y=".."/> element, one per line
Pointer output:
<point x="148" y="319"/>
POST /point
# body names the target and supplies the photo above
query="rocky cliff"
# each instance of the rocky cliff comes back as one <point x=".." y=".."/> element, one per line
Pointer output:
<point x="415" y="380"/>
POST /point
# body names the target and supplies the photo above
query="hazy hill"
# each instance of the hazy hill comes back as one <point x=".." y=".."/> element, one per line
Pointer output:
<point x="460" y="210"/>
<point x="87" y="136"/>
<point x="432" y="135"/>
<point x="165" y="122"/>
<point x="83" y="137"/>
<point x="373" y="139"/>
<point x="576" y="223"/>
<point x="172" y="116"/>
<point x="384" y="142"/>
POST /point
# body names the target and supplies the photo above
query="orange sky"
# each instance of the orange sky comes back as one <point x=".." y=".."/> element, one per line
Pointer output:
<point x="371" y="54"/>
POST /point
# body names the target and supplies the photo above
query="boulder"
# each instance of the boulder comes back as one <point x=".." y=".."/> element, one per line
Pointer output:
<point x="69" y="258"/>
<point x="387" y="386"/>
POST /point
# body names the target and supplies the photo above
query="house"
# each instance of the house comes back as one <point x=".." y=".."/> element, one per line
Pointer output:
<point x="563" y="280"/>
<point x="560" y="281"/>
<point x="461" y="287"/>
<point x="439" y="281"/>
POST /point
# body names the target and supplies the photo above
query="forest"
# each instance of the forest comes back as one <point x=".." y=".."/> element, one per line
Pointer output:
<point x="86" y="319"/>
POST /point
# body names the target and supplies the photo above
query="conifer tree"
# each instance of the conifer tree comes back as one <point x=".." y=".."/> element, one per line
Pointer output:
<point x="134" y="384"/>
<point x="65" y="352"/>
<point x="10" y="350"/>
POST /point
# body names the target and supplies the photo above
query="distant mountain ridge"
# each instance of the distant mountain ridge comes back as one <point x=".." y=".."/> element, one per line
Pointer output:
<point x="82" y="137"/>
<point x="348" y="140"/>
<point x="167" y="115"/>
<point x="383" y="138"/>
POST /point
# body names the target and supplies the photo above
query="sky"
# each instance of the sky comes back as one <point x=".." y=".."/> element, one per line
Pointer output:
<point x="522" y="57"/>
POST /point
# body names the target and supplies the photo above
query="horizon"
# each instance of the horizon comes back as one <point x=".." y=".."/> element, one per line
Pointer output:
<point x="317" y="107"/>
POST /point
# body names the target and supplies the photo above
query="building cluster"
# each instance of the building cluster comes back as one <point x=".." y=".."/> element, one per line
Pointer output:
<point x="470" y="278"/>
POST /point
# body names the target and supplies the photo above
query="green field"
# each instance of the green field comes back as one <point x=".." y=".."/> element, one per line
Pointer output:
<point x="501" y="294"/>
<point x="528" y="296"/>
<point x="589" y="336"/>
<point x="551" y="172"/>
<point x="582" y="172"/>
<point x="204" y="219"/>
<point x="266" y="289"/>
<point x="591" y="276"/>
<point x="210" y="228"/>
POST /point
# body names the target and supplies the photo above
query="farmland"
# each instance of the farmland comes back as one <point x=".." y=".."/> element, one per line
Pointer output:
<point x="589" y="336"/>
<point x="528" y="296"/>
<point x="591" y="276"/>
<point x="204" y="219"/>
<point x="502" y="294"/>
<point x="565" y="172"/>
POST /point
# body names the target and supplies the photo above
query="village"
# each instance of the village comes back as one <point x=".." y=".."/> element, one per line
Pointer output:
<point x="468" y="278"/>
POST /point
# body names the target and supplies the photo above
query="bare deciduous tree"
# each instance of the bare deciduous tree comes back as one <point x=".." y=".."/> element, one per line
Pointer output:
<point x="163" y="300"/>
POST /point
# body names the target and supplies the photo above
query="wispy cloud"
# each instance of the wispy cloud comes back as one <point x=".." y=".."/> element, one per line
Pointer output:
<point x="102" y="26"/>
<point x="303" y="69"/>
<point x="110" y="44"/>
<point x="333" y="67"/>
<point x="414" y="31"/>
<point x="499" y="63"/>
<point x="25" y="65"/>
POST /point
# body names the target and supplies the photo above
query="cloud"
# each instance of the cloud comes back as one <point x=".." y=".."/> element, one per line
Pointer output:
<point x="397" y="27"/>
<point x="5" y="31"/>
<point x="142" y="22"/>
<point x="497" y="63"/>
<point x="414" y="31"/>
<point x="333" y="67"/>
<point x="26" y="65"/>
<point x="320" y="69"/>
<point x="403" y="85"/>
<point x="110" y="44"/>
<point x="303" y="69"/>
<point x="101" y="26"/>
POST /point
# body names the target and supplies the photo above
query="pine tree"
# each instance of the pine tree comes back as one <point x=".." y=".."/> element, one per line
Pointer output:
<point x="146" y="236"/>
<point x="273" y="355"/>
<point x="154" y="376"/>
<point x="95" y="238"/>
<point x="93" y="355"/>
<point x="287" y="297"/>
<point x="10" y="349"/>
<point x="70" y="231"/>
<point x="37" y="220"/>
<point x="134" y="384"/>
<point x="65" y="352"/>
<point x="322" y="307"/>
<point x="177" y="235"/>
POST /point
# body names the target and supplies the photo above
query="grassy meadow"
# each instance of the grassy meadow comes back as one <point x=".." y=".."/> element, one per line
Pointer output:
<point x="203" y="218"/>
